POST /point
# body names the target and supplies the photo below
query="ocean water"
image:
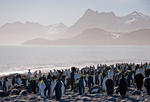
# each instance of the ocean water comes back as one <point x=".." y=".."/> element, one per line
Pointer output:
<point x="18" y="59"/>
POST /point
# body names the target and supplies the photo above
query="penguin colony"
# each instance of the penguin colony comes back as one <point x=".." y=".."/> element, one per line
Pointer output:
<point x="96" y="79"/>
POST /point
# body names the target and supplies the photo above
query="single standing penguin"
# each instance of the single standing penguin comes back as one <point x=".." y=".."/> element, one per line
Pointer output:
<point x="43" y="86"/>
<point x="147" y="84"/>
<point x="33" y="86"/>
<point x="29" y="74"/>
<point x="48" y="88"/>
<point x="64" y="84"/>
<point x="104" y="81"/>
<point x="94" y="79"/>
<point x="5" y="85"/>
<point x="63" y="88"/>
<point x="123" y="86"/>
<point x="81" y="85"/>
<point x="39" y="85"/>
<point x="100" y="78"/>
<point x="90" y="81"/>
<point x="72" y="77"/>
<point x="13" y="80"/>
<point x="58" y="90"/>
<point x="53" y="84"/>
<point x="2" y="84"/>
<point x="110" y="87"/>
<point x="138" y="79"/>
<point x="129" y="78"/>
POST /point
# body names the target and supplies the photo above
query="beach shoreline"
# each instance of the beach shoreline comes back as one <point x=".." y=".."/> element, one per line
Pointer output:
<point x="133" y="95"/>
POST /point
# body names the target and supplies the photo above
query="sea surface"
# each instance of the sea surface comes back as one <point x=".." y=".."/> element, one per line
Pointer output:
<point x="18" y="59"/>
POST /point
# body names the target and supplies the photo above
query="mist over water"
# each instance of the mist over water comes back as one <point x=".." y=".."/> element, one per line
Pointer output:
<point x="20" y="58"/>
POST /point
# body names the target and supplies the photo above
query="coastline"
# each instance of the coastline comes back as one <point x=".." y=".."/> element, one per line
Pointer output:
<point x="133" y="95"/>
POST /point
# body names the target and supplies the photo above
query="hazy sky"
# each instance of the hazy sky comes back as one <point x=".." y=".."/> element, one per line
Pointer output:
<point x="66" y="11"/>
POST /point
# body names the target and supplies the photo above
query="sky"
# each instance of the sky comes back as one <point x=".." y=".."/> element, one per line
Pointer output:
<point x="48" y="12"/>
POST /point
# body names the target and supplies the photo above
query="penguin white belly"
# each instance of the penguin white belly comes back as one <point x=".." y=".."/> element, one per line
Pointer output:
<point x="2" y="82"/>
<point x="27" y="83"/>
<point x="7" y="85"/>
<point x="39" y="85"/>
<point x="99" y="78"/>
<point x="110" y="74"/>
<point x="104" y="85"/>
<point x="132" y="76"/>
<point x="42" y="90"/>
<point x="52" y="88"/>
<point x="19" y="81"/>
<point x="63" y="88"/>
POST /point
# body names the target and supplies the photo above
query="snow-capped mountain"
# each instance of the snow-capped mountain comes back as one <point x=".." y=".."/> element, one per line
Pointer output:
<point x="94" y="19"/>
<point x="136" y="21"/>
<point x="17" y="32"/>
<point x="110" y="22"/>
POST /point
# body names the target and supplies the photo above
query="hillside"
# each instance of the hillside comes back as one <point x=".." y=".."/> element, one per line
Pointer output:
<point x="97" y="36"/>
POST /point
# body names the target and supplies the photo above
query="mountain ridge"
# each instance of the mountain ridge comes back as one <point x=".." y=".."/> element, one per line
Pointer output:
<point x="101" y="37"/>
<point x="110" y="22"/>
<point x="18" y="32"/>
